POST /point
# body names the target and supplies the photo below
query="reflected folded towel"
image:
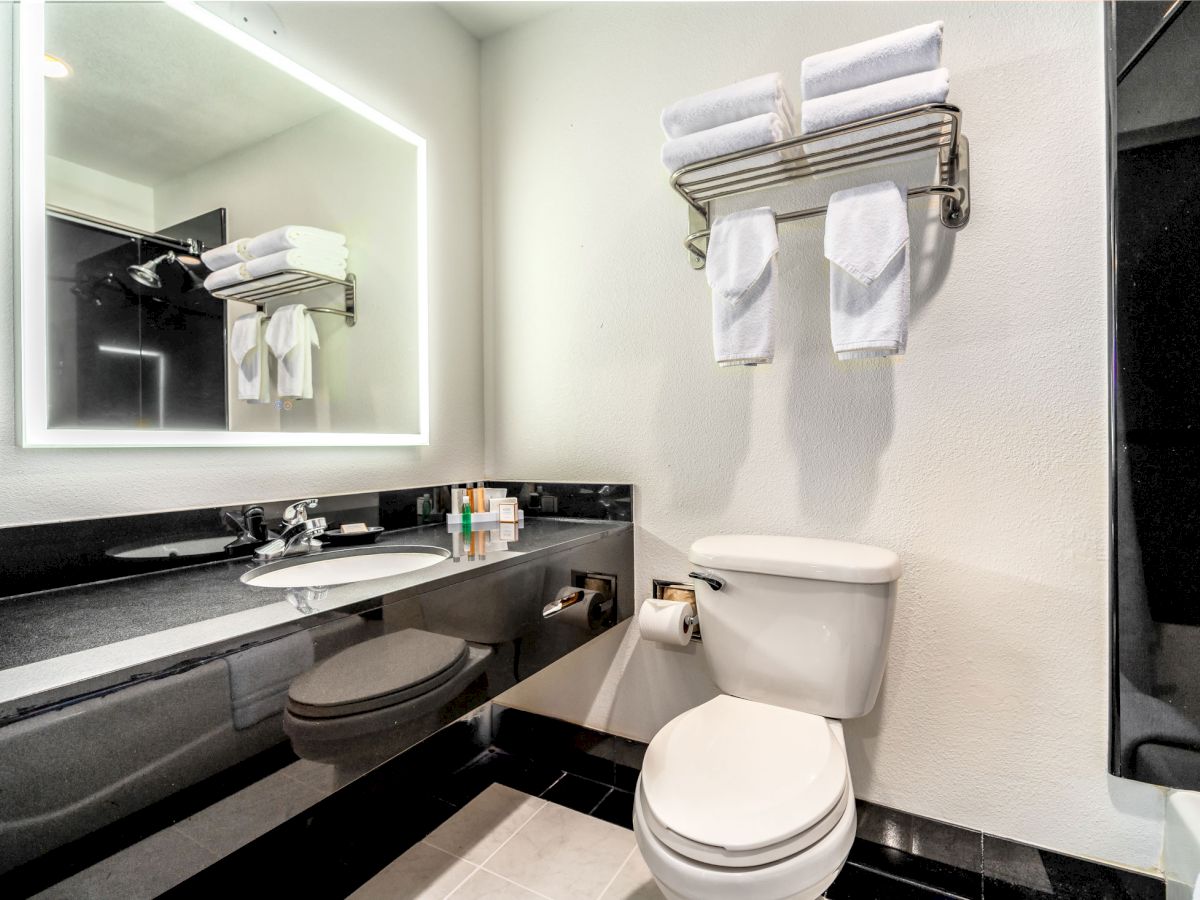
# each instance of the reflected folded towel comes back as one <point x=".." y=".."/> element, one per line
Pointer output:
<point x="729" y="138"/>
<point x="291" y="335"/>
<point x="223" y="278"/>
<point x="288" y="237"/>
<point x="226" y="255"/>
<point x="874" y="100"/>
<point x="906" y="52"/>
<point x="308" y="259"/>
<point x="732" y="103"/>
<point x="259" y="677"/>
<point x="248" y="347"/>
<point x="866" y="242"/>
<point x="743" y="273"/>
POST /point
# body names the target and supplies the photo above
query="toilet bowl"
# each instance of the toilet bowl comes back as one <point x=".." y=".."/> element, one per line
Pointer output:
<point x="746" y="799"/>
<point x="749" y="795"/>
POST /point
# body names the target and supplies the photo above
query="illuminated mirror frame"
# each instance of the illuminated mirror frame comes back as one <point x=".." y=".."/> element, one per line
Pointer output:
<point x="32" y="386"/>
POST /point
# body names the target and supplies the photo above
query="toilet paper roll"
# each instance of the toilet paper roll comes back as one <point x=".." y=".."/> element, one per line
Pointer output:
<point x="587" y="613"/>
<point x="664" y="621"/>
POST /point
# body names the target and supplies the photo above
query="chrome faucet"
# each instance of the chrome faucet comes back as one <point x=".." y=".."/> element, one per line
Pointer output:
<point x="299" y="534"/>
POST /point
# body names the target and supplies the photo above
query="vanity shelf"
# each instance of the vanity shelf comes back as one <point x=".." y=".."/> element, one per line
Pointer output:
<point x="931" y="127"/>
<point x="288" y="283"/>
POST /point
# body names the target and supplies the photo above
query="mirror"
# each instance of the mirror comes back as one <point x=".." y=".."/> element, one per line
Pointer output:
<point x="217" y="246"/>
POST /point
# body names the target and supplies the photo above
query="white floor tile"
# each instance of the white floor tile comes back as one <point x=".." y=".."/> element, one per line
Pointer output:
<point x="633" y="882"/>
<point x="477" y="830"/>
<point x="483" y="885"/>
<point x="421" y="873"/>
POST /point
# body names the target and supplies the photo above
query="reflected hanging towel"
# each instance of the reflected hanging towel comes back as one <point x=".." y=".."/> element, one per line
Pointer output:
<point x="291" y="335"/>
<point x="248" y="347"/>
<point x="866" y="242"/>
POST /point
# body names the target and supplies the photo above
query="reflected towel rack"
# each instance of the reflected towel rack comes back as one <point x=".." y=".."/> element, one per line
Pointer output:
<point x="289" y="282"/>
<point x="935" y="126"/>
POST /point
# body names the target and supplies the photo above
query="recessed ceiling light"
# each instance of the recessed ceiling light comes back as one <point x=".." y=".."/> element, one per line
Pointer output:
<point x="53" y="67"/>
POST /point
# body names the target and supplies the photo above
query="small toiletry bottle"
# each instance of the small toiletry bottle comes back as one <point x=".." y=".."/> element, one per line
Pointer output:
<point x="456" y="541"/>
<point x="466" y="526"/>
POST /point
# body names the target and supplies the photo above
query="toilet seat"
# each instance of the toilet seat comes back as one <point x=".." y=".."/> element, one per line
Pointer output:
<point x="735" y="783"/>
<point x="379" y="673"/>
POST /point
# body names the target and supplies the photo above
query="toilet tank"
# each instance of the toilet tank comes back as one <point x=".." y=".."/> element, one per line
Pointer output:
<point x="797" y="622"/>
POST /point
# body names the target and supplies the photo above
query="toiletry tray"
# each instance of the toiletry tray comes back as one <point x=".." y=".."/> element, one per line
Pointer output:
<point x="931" y="127"/>
<point x="483" y="518"/>
<point x="288" y="283"/>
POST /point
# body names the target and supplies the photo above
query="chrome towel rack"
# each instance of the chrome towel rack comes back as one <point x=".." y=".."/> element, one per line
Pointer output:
<point x="288" y="282"/>
<point x="934" y="126"/>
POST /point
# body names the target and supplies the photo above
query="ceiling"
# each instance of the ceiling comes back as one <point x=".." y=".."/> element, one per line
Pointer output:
<point x="155" y="95"/>
<point x="485" y="19"/>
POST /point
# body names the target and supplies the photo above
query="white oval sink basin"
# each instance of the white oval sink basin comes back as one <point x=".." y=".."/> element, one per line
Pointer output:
<point x="209" y="546"/>
<point x="332" y="567"/>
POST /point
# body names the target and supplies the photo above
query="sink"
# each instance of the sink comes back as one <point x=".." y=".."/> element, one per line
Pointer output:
<point x="331" y="567"/>
<point x="207" y="546"/>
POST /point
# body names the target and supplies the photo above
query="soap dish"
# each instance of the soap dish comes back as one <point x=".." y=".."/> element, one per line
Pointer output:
<point x="339" y="538"/>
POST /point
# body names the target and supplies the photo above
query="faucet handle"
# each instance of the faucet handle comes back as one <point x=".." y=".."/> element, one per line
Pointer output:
<point x="296" y="512"/>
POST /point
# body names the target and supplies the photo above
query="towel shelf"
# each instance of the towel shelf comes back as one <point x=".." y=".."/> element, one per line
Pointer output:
<point x="933" y="127"/>
<point x="289" y="282"/>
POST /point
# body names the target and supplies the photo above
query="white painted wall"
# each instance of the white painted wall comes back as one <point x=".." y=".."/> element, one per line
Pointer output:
<point x="980" y="457"/>
<point x="99" y="194"/>
<point x="418" y="66"/>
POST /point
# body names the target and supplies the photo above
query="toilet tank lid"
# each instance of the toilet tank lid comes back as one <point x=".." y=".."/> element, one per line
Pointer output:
<point x="797" y="557"/>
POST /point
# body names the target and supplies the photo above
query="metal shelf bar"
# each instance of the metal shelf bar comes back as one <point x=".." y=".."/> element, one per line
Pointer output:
<point x="288" y="283"/>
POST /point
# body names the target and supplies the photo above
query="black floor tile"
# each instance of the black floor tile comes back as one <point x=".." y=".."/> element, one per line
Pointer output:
<point x="935" y="875"/>
<point x="576" y="793"/>
<point x="857" y="883"/>
<point x="617" y="808"/>
<point x="951" y="845"/>
<point x="1015" y="871"/>
<point x="496" y="767"/>
<point x="580" y="751"/>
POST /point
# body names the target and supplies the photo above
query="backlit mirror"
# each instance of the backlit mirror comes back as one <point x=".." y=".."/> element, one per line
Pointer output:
<point x="217" y="246"/>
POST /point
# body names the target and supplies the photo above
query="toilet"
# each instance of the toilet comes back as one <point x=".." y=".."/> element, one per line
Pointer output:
<point x="749" y="794"/>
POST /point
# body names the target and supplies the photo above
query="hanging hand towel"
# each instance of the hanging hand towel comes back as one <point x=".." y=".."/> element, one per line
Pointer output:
<point x="866" y="242"/>
<point x="226" y="255"/>
<point x="223" y="278"/>
<point x="291" y="335"/>
<point x="752" y="97"/>
<point x="874" y="100"/>
<point x="753" y="132"/>
<point x="744" y="276"/>
<point x="308" y="259"/>
<point x="288" y="237"/>
<point x="248" y="347"/>
<point x="906" y="52"/>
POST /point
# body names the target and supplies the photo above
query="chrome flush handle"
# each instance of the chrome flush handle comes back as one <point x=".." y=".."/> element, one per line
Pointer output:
<point x="711" y="580"/>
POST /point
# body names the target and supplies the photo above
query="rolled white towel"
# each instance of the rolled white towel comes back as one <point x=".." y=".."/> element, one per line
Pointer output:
<point x="733" y="136"/>
<point x="752" y="97"/>
<point x="223" y="278"/>
<point x="874" y="100"/>
<point x="309" y="259"/>
<point x="906" y="52"/>
<point x="288" y="237"/>
<point x="226" y="255"/>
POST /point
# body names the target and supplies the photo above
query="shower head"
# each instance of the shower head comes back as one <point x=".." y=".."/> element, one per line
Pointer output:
<point x="147" y="275"/>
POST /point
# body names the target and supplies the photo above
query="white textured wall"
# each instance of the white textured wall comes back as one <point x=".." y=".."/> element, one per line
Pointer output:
<point x="980" y="457"/>
<point x="417" y="65"/>
<point x="76" y="187"/>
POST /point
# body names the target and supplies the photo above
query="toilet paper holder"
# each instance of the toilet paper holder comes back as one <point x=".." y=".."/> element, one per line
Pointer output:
<point x="571" y="596"/>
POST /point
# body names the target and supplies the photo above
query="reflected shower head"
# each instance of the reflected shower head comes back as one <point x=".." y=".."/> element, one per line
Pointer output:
<point x="147" y="275"/>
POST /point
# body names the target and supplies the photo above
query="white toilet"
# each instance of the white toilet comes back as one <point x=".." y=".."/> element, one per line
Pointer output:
<point x="749" y="795"/>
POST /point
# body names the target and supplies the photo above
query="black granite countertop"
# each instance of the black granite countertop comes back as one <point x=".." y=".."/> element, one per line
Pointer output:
<point x="48" y="625"/>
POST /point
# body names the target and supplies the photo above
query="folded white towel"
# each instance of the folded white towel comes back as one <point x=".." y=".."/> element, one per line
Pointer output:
<point x="874" y="100"/>
<point x="288" y="237"/>
<point x="309" y="259"/>
<point x="906" y="52"/>
<point x="291" y="335"/>
<point x="866" y="242"/>
<point x="223" y="278"/>
<point x="729" y="138"/>
<point x="226" y="255"/>
<point x="248" y="347"/>
<point x="742" y="271"/>
<point x="752" y="97"/>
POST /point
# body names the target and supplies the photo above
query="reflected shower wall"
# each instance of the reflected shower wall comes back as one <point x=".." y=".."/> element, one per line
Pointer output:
<point x="123" y="355"/>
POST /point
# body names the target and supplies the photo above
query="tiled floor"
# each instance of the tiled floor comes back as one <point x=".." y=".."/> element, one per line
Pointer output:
<point x="165" y="859"/>
<point x="508" y="845"/>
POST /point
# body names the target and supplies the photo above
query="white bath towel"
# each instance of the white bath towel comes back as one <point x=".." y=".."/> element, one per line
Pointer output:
<point x="291" y="335"/>
<point x="259" y="677"/>
<point x="248" y="347"/>
<point x="866" y="242"/>
<point x="732" y="103"/>
<point x="874" y="100"/>
<point x="288" y="237"/>
<point x="906" y="52"/>
<point x="742" y="135"/>
<point x="742" y="271"/>
<point x="309" y="259"/>
<point x="226" y="255"/>
<point x="223" y="278"/>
